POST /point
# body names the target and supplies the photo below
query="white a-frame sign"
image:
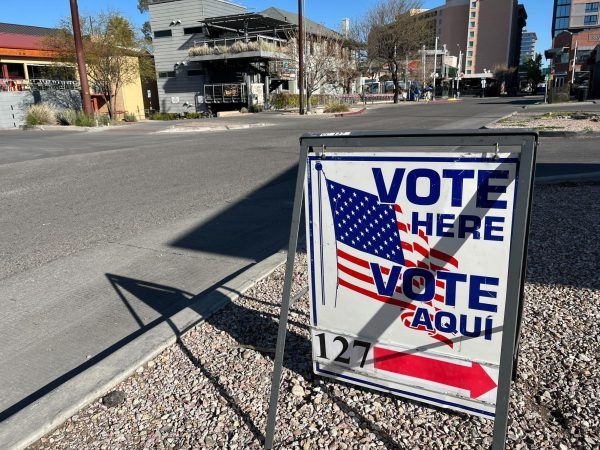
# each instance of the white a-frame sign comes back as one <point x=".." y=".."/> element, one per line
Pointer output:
<point x="416" y="262"/>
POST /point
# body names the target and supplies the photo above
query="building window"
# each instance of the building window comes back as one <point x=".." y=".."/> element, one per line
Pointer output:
<point x="473" y="4"/>
<point x="469" y="63"/>
<point x="471" y="34"/>
<point x="163" y="33"/>
<point x="170" y="74"/>
<point x="473" y="14"/>
<point x="470" y="53"/>
<point x="469" y="72"/>
<point x="561" y="23"/>
<point x="471" y="43"/>
<point x="591" y="7"/>
<point x="472" y="24"/>
<point x="195" y="72"/>
<point x="590" y="20"/>
<point x="193" y="30"/>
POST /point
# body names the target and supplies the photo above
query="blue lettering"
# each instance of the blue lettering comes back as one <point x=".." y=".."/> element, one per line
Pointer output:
<point x="468" y="224"/>
<point x="475" y="293"/>
<point x="383" y="289"/>
<point x="451" y="280"/>
<point x="422" y="318"/>
<point x="484" y="189"/>
<point x="458" y="177"/>
<point x="476" y="328"/>
<point x="449" y="326"/>
<point x="407" y="284"/>
<point x="489" y="228"/>
<point x="442" y="225"/>
<point x="427" y="223"/>
<point x="386" y="196"/>
<point x="434" y="186"/>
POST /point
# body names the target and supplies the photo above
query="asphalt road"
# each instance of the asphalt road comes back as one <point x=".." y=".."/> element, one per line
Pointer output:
<point x="86" y="216"/>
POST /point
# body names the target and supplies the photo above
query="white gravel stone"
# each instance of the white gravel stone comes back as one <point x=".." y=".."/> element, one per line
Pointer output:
<point x="211" y="389"/>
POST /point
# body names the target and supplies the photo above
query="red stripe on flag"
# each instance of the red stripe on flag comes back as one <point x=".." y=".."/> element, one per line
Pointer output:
<point x="375" y="296"/>
<point x="423" y="236"/>
<point x="356" y="274"/>
<point x="422" y="265"/>
<point x="406" y="246"/>
<point x="444" y="257"/>
<point x="439" y="297"/>
<point x="422" y="250"/>
<point x="397" y="208"/>
<point x="353" y="259"/>
<point x="440" y="284"/>
<point x="402" y="227"/>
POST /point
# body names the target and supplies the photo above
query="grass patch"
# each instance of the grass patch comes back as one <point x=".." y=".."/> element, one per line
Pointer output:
<point x="40" y="114"/>
<point x="337" y="108"/>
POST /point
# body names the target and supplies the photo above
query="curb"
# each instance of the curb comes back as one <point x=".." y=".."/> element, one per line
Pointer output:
<point x="547" y="133"/>
<point x="182" y="129"/>
<point x="556" y="179"/>
<point x="489" y="124"/>
<point x="49" y="412"/>
<point x="353" y="113"/>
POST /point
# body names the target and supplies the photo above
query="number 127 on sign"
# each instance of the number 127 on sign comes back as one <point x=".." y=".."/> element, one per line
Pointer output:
<point x="345" y="351"/>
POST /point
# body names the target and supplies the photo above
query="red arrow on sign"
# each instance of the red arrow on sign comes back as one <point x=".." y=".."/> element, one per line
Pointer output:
<point x="471" y="378"/>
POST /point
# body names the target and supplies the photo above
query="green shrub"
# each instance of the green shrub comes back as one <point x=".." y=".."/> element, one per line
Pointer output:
<point x="40" y="114"/>
<point x="164" y="116"/>
<point x="257" y="108"/>
<point x="66" y="117"/>
<point x="244" y="110"/>
<point x="129" y="117"/>
<point x="337" y="108"/>
<point x="84" y="120"/>
<point x="103" y="119"/>
<point x="193" y="115"/>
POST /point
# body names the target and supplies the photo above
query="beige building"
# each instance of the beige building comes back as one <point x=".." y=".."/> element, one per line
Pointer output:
<point x="486" y="32"/>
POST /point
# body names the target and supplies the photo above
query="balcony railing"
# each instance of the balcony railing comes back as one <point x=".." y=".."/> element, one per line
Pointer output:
<point x="234" y="45"/>
<point x="36" y="84"/>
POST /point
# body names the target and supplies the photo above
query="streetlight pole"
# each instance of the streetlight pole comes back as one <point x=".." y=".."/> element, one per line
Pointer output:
<point x="85" y="88"/>
<point x="301" y="57"/>
<point x="574" y="62"/>
<point x="435" y="67"/>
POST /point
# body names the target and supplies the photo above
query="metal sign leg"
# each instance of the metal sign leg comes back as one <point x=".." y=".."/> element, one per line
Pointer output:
<point x="285" y="303"/>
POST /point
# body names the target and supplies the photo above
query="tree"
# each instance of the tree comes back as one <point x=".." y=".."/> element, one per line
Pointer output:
<point x="324" y="61"/>
<point x="393" y="33"/>
<point x="112" y="52"/>
<point x="533" y="69"/>
<point x="146" y="28"/>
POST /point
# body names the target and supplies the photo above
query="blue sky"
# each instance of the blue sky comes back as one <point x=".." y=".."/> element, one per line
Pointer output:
<point x="331" y="12"/>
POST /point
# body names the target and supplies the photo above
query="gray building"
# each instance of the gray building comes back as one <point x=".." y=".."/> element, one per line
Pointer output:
<point x="176" y="24"/>
<point x="213" y="55"/>
<point x="528" y="42"/>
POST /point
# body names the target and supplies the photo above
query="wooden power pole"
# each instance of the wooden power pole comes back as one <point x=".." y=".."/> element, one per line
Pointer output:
<point x="85" y="87"/>
<point x="300" y="56"/>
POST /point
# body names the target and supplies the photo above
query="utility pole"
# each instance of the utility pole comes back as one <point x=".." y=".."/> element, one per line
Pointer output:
<point x="435" y="67"/>
<point x="300" y="57"/>
<point x="574" y="61"/>
<point x="423" y="62"/>
<point x="85" y="87"/>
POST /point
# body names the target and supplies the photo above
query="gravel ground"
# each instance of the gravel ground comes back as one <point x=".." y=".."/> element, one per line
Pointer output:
<point x="210" y="390"/>
<point x="554" y="122"/>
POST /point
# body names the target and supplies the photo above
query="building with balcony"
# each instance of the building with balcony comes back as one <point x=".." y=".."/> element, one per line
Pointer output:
<point x="575" y="16"/>
<point x="28" y="65"/>
<point x="213" y="54"/>
<point x="485" y="33"/>
<point x="528" y="42"/>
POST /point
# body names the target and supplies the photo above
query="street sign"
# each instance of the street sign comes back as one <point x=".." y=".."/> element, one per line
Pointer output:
<point x="416" y="264"/>
<point x="409" y="256"/>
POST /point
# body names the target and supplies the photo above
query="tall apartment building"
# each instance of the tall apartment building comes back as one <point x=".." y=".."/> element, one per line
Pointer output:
<point x="574" y="16"/>
<point x="528" y="42"/>
<point x="486" y="32"/>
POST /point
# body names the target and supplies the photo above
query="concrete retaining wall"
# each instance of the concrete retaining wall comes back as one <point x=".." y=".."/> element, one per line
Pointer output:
<point x="13" y="105"/>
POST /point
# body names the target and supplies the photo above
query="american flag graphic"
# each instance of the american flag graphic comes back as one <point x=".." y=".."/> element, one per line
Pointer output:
<point x="368" y="231"/>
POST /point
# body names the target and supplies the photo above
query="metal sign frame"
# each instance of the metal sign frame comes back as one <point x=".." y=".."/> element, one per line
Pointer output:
<point x="446" y="141"/>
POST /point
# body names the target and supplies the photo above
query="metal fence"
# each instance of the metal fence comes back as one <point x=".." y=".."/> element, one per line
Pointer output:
<point x="10" y="85"/>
